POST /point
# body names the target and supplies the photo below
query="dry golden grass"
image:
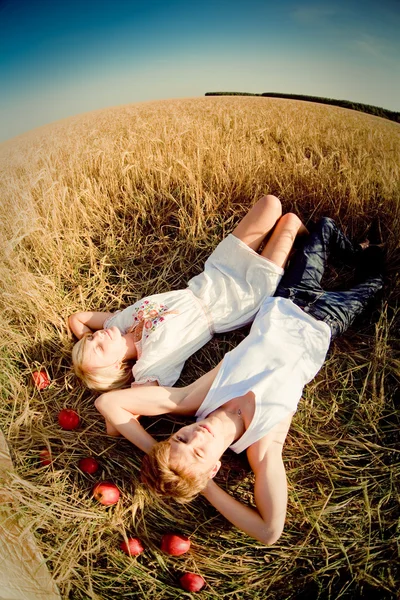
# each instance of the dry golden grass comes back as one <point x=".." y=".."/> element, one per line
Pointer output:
<point x="102" y="209"/>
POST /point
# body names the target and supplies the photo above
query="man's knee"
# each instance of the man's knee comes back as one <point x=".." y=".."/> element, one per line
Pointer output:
<point x="327" y="223"/>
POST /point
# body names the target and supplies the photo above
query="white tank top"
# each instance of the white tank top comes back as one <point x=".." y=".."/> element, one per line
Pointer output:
<point x="284" y="350"/>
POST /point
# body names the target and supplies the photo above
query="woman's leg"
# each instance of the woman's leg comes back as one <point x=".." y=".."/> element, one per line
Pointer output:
<point x="259" y="221"/>
<point x="279" y="245"/>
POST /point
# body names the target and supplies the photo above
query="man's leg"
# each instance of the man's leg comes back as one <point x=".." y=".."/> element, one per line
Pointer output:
<point x="308" y="264"/>
<point x="259" y="221"/>
<point x="302" y="280"/>
<point x="339" y="309"/>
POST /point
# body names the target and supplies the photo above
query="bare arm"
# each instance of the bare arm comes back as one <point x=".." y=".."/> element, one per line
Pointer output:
<point x="122" y="408"/>
<point x="124" y="423"/>
<point x="265" y="522"/>
<point x="83" y="322"/>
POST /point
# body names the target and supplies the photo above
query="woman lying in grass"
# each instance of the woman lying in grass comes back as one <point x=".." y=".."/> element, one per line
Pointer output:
<point x="161" y="331"/>
<point x="248" y="400"/>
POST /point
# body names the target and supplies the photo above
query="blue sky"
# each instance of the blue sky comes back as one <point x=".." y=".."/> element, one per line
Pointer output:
<point x="59" y="59"/>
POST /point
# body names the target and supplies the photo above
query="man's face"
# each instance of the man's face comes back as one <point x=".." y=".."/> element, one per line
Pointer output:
<point x="197" y="447"/>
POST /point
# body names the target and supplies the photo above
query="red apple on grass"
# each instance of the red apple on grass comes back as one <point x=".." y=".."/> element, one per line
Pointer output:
<point x="68" y="419"/>
<point x="175" y="544"/>
<point x="106" y="492"/>
<point x="132" y="547"/>
<point x="41" y="379"/>
<point x="192" y="582"/>
<point x="45" y="457"/>
<point x="88" y="465"/>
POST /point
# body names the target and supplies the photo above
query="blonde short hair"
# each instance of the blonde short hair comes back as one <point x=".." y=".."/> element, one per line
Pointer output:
<point x="169" y="481"/>
<point x="102" y="379"/>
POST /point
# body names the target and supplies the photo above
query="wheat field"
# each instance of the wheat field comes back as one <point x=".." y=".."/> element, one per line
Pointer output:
<point x="104" y="208"/>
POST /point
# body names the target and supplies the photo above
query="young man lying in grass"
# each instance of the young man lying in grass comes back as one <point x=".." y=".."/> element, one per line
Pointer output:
<point x="248" y="400"/>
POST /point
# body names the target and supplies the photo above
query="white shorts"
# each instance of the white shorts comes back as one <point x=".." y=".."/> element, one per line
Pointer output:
<point x="233" y="284"/>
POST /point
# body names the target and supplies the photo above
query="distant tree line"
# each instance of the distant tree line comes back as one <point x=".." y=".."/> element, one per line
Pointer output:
<point x="372" y="110"/>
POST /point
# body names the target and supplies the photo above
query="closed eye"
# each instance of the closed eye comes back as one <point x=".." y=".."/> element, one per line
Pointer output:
<point x="179" y="438"/>
<point x="96" y="347"/>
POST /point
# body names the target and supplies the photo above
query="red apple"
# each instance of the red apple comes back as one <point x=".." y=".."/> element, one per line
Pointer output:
<point x="88" y="465"/>
<point x="192" y="582"/>
<point x="68" y="419"/>
<point x="106" y="492"/>
<point x="133" y="547"/>
<point x="41" y="379"/>
<point x="45" y="457"/>
<point x="175" y="544"/>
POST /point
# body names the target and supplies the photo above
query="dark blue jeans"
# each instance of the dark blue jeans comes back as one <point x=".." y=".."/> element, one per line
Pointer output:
<point x="301" y="282"/>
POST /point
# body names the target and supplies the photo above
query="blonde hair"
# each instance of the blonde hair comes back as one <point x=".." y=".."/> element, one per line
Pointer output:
<point x="102" y="379"/>
<point x="169" y="481"/>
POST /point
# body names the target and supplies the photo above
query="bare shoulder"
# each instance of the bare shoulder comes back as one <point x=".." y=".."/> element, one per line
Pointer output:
<point x="269" y="445"/>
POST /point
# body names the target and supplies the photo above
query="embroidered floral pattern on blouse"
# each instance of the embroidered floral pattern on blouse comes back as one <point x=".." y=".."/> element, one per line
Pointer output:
<point x="150" y="315"/>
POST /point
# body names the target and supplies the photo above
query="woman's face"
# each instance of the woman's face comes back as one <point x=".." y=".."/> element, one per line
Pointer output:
<point x="104" y="348"/>
<point x="197" y="445"/>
